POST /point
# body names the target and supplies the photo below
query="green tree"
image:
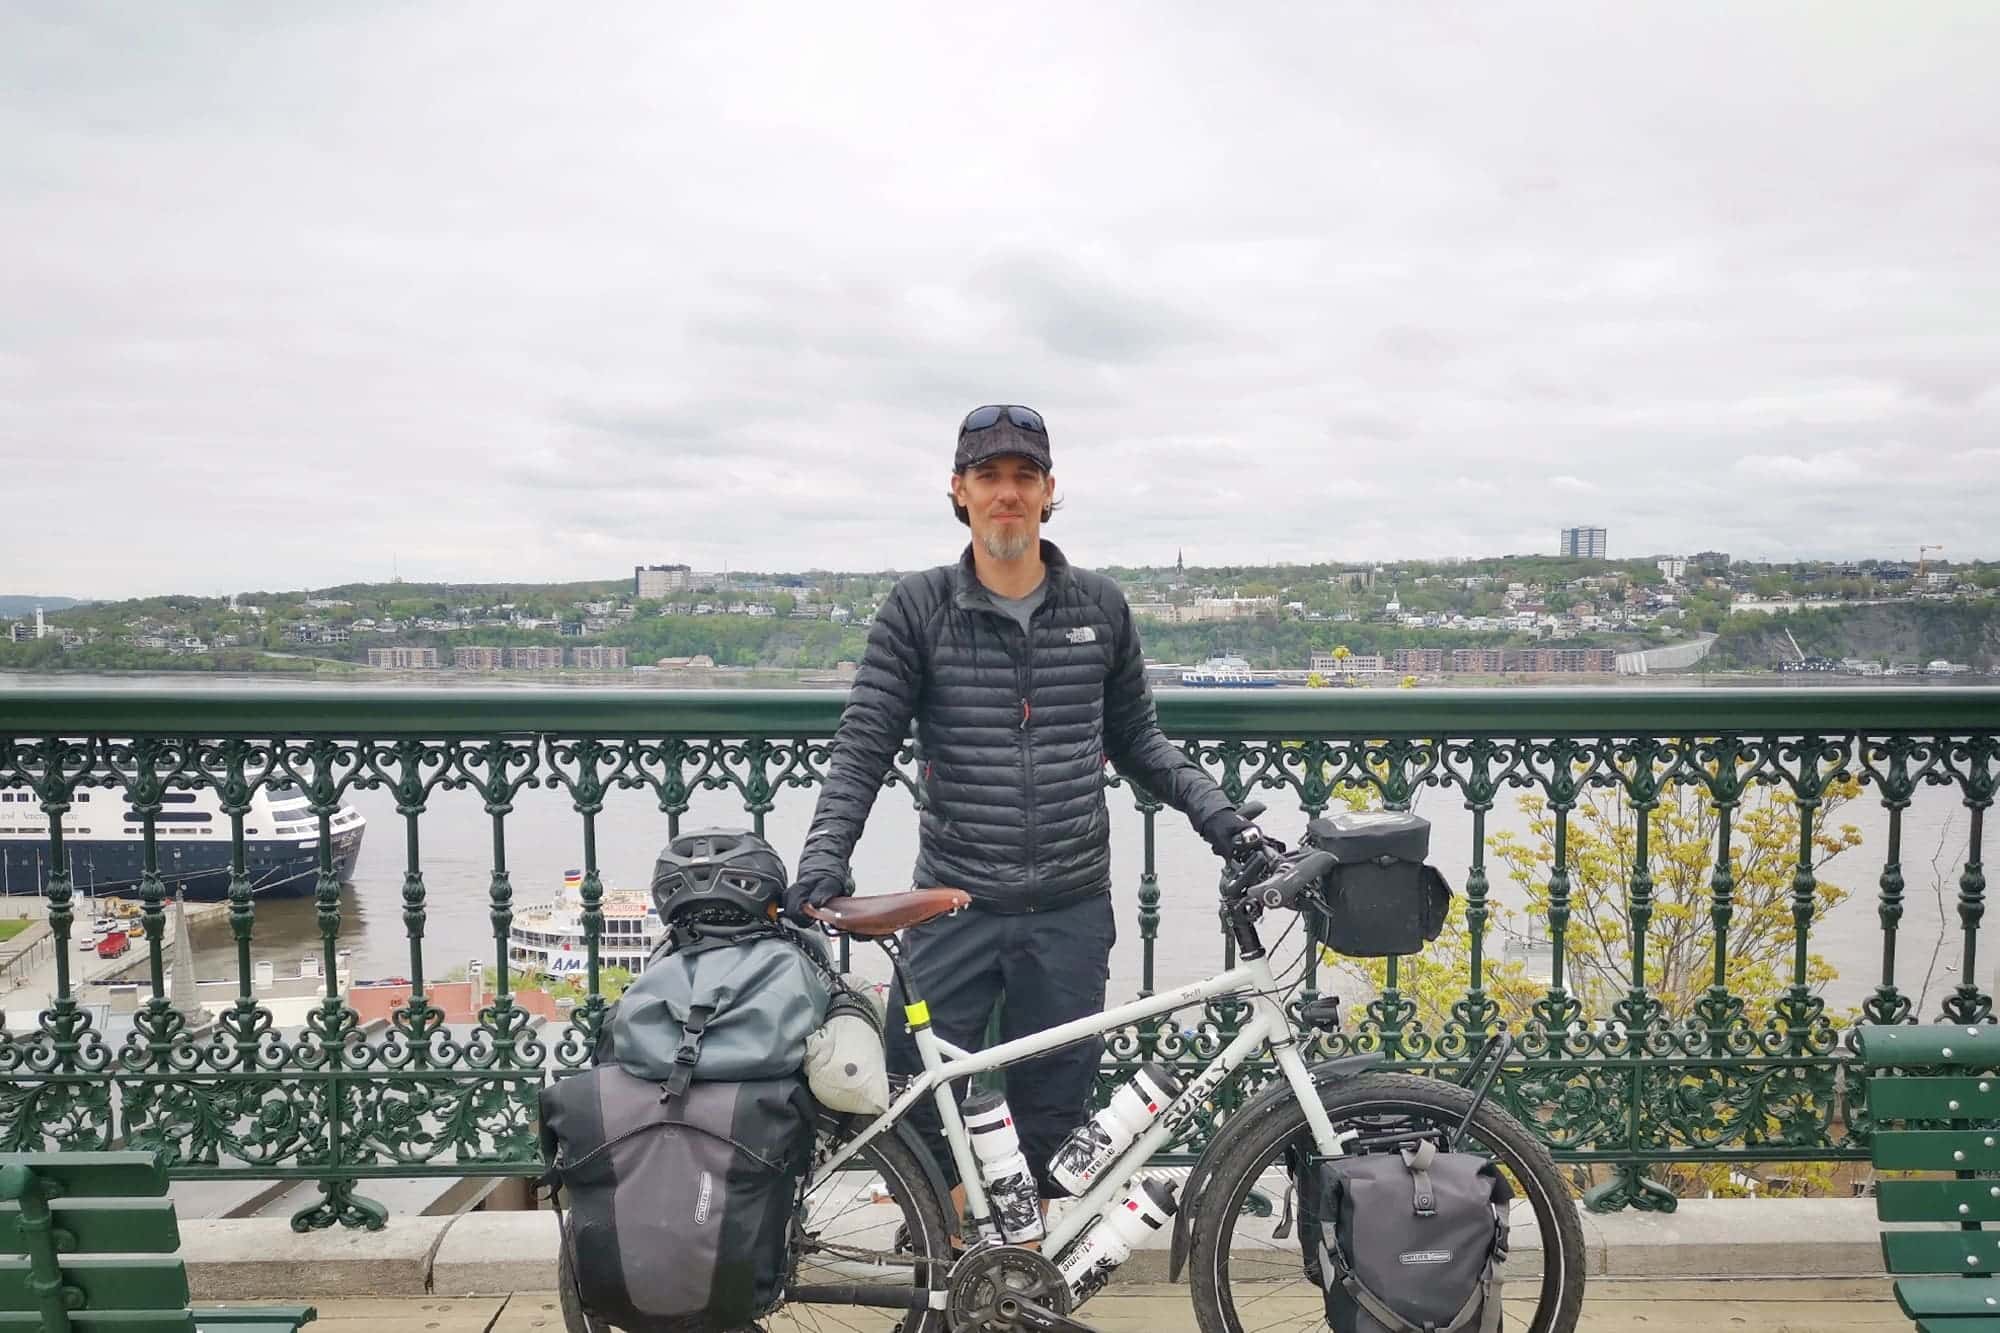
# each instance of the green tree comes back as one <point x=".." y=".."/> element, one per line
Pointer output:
<point x="1601" y="847"/>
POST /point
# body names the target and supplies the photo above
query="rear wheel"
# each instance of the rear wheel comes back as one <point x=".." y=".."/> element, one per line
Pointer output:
<point x="876" y="1227"/>
<point x="574" y="1319"/>
<point x="1248" y="1281"/>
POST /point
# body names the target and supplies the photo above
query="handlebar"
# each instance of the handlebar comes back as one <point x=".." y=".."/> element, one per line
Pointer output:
<point x="1297" y="872"/>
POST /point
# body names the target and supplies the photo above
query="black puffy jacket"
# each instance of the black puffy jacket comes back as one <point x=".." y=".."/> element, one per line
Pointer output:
<point x="1013" y="736"/>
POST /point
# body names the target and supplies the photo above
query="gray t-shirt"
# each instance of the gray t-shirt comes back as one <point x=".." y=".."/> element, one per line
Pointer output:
<point x="1021" y="607"/>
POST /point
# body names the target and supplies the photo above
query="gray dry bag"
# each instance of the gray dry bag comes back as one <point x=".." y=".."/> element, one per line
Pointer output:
<point x="736" y="1008"/>
<point x="678" y="1207"/>
<point x="1407" y="1241"/>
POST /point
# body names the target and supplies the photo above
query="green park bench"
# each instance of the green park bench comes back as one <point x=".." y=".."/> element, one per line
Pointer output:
<point x="88" y="1241"/>
<point x="1940" y="1082"/>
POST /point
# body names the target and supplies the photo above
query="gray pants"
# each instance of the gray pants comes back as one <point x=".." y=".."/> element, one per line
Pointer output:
<point x="1042" y="968"/>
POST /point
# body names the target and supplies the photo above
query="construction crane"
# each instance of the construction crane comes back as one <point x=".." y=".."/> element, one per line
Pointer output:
<point x="1923" y="555"/>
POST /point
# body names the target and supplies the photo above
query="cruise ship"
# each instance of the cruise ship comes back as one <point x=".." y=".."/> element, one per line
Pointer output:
<point x="548" y="937"/>
<point x="101" y="833"/>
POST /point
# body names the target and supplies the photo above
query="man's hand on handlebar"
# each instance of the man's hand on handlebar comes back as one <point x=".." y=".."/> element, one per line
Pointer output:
<point x="1248" y="848"/>
<point x="1255" y="856"/>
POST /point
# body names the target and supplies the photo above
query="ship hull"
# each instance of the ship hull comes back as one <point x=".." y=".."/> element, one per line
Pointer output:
<point x="197" y="871"/>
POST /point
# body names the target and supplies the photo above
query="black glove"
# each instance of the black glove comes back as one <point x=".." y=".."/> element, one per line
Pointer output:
<point x="1250" y="843"/>
<point x="1222" y="831"/>
<point x="815" y="893"/>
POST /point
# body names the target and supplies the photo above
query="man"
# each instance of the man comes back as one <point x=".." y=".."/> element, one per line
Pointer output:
<point x="1024" y="677"/>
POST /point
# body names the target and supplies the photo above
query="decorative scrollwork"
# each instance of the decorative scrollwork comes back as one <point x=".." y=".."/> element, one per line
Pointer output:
<point x="1602" y="1070"/>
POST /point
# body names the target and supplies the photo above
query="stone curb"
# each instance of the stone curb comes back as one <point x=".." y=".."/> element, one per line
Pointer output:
<point x="493" y="1253"/>
<point x="258" y="1258"/>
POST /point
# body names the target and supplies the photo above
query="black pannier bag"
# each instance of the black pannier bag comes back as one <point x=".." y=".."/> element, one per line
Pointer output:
<point x="1380" y="899"/>
<point x="1409" y="1241"/>
<point x="678" y="1207"/>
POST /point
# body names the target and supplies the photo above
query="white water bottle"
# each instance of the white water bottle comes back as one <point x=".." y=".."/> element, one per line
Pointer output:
<point x="1097" y="1142"/>
<point x="1086" y="1265"/>
<point x="1010" y="1186"/>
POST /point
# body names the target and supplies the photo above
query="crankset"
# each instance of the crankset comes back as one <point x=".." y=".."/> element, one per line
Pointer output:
<point x="1024" y="1316"/>
<point x="1008" y="1289"/>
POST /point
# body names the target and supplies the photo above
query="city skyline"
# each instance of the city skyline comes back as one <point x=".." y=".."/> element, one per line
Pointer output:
<point x="318" y="292"/>
<point x="687" y="579"/>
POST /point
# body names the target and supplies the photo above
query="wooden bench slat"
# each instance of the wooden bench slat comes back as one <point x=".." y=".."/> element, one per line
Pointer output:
<point x="1922" y="1297"/>
<point x="274" y="1319"/>
<point x="235" y="1316"/>
<point x="138" y="1283"/>
<point x="1936" y="1150"/>
<point x="97" y="1175"/>
<point x="113" y="1321"/>
<point x="101" y="1226"/>
<point x="1910" y="1045"/>
<point x="118" y="1243"/>
<point x="1916" y="1097"/>
<point x="1969" y="1252"/>
<point x="1937" y="1200"/>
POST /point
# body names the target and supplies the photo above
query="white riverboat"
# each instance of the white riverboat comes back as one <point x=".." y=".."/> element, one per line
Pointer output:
<point x="1226" y="672"/>
<point x="548" y="937"/>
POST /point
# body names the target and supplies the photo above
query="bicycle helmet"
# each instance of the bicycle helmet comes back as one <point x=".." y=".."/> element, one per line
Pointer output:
<point x="718" y="877"/>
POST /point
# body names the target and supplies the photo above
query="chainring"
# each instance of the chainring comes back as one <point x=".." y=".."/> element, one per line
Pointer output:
<point x="980" y="1279"/>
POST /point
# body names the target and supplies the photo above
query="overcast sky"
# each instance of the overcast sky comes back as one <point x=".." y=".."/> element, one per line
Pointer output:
<point x="292" y="292"/>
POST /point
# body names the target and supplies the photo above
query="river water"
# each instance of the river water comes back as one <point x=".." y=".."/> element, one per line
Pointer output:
<point x="544" y="838"/>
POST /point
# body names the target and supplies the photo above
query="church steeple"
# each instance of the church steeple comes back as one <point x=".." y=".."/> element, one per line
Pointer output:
<point x="1180" y="565"/>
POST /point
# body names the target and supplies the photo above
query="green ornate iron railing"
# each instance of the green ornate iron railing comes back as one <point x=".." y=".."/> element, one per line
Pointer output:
<point x="1734" y="1078"/>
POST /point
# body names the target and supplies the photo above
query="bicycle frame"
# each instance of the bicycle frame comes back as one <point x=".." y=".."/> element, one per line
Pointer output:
<point x="945" y="1064"/>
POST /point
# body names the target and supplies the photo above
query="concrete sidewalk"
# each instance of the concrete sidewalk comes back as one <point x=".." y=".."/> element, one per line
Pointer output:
<point x="1773" y="1305"/>
<point x="1706" y="1241"/>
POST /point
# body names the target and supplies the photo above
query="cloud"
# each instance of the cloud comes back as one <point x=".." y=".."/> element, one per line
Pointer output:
<point x="515" y="297"/>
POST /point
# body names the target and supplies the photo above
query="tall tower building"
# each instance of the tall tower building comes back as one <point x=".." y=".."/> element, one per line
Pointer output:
<point x="1584" y="543"/>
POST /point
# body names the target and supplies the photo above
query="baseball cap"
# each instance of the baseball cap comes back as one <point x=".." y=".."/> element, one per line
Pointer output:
<point x="999" y="429"/>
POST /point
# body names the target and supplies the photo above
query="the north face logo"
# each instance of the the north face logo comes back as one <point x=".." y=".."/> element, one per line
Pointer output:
<point x="1082" y="634"/>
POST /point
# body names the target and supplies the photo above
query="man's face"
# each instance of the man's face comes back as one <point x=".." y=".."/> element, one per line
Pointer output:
<point x="1004" y="497"/>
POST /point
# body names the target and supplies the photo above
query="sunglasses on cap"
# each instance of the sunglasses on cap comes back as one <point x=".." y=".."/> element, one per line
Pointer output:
<point x="986" y="418"/>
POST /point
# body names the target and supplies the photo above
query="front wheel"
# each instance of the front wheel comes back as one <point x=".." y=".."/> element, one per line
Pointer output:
<point x="1248" y="1281"/>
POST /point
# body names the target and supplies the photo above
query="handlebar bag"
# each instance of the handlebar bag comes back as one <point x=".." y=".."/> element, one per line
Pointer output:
<point x="1381" y="898"/>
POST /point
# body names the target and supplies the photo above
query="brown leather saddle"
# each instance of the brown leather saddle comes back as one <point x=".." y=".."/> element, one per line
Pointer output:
<point x="886" y="913"/>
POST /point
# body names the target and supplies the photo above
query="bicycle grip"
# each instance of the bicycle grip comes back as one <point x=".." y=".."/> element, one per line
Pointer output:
<point x="1283" y="888"/>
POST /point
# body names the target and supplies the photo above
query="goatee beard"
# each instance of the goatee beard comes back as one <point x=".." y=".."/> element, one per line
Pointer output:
<point x="1003" y="547"/>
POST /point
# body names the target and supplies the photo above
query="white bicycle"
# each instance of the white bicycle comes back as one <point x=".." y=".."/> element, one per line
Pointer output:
<point x="876" y="1227"/>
